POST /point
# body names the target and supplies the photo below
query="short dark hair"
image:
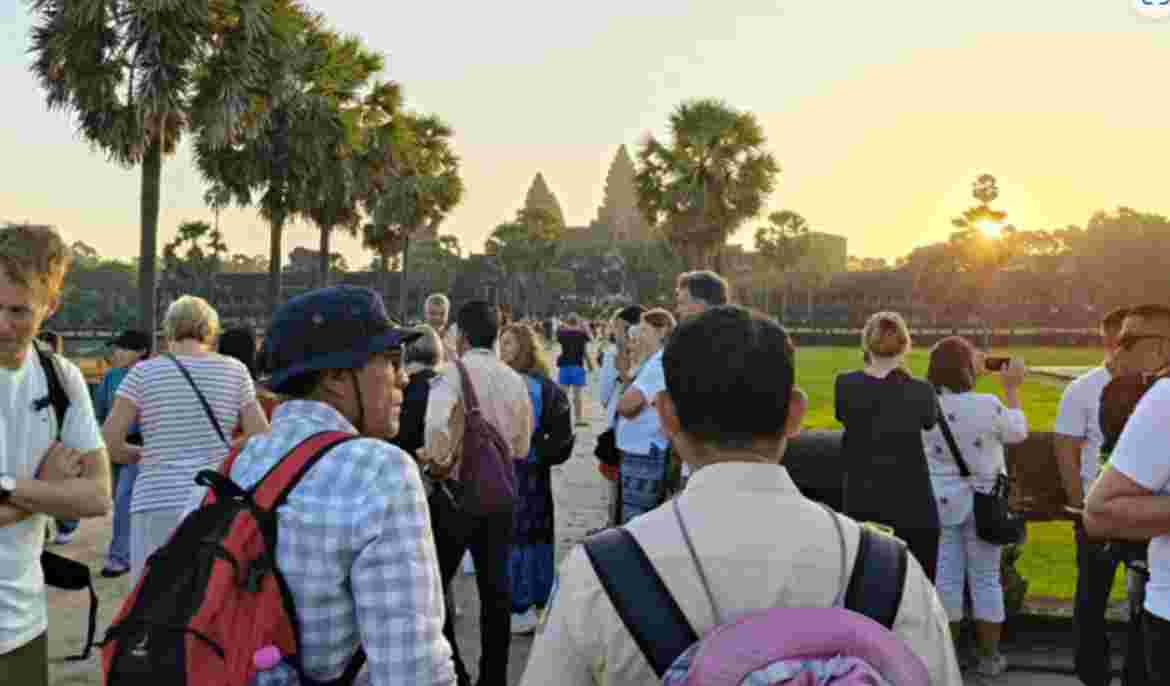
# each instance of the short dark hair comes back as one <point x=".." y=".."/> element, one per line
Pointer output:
<point x="952" y="365"/>
<point x="707" y="286"/>
<point x="479" y="321"/>
<point x="631" y="314"/>
<point x="240" y="344"/>
<point x="1114" y="319"/>
<point x="730" y="374"/>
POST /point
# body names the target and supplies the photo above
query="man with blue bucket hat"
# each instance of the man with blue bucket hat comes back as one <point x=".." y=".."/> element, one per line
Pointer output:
<point x="355" y="543"/>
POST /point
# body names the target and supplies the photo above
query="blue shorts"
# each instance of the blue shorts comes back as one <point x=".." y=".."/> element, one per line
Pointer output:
<point x="572" y="376"/>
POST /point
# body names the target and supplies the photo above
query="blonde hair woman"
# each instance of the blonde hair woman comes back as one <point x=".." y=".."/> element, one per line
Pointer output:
<point x="532" y="565"/>
<point x="180" y="437"/>
<point x="884" y="411"/>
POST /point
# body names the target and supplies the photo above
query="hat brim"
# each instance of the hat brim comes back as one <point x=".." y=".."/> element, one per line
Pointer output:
<point x="348" y="359"/>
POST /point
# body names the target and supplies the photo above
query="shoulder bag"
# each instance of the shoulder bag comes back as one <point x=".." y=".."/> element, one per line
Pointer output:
<point x="995" y="522"/>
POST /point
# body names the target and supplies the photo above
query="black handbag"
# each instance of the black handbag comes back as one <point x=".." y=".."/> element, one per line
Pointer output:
<point x="995" y="522"/>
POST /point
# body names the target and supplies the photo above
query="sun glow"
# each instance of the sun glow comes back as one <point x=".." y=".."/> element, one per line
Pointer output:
<point x="990" y="227"/>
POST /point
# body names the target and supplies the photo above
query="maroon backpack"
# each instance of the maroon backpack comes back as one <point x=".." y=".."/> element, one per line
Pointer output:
<point x="485" y="471"/>
<point x="212" y="598"/>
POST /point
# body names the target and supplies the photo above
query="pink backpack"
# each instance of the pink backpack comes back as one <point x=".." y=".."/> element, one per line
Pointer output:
<point x="848" y="644"/>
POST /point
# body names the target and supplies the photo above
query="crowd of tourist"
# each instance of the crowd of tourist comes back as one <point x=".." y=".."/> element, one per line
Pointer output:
<point x="456" y="428"/>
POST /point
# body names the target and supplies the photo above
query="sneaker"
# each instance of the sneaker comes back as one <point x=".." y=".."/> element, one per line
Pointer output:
<point x="991" y="666"/>
<point x="112" y="571"/>
<point x="525" y="623"/>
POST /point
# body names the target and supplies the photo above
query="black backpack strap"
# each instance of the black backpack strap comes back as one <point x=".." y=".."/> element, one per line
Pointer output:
<point x="58" y="398"/>
<point x="645" y="606"/>
<point x="879" y="573"/>
<point x="61" y="572"/>
<point x="202" y="398"/>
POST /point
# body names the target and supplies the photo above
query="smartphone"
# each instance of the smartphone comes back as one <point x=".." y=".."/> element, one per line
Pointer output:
<point x="996" y="364"/>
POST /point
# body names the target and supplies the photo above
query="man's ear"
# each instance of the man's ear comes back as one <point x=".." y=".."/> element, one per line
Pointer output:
<point x="667" y="414"/>
<point x="797" y="409"/>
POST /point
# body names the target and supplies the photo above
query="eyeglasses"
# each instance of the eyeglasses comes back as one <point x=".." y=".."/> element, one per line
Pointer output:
<point x="1128" y="341"/>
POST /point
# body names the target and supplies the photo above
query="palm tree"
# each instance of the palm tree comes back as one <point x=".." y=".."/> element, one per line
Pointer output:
<point x="782" y="243"/>
<point x="298" y="131"/>
<point x="419" y="188"/>
<point x="139" y="74"/>
<point x="707" y="181"/>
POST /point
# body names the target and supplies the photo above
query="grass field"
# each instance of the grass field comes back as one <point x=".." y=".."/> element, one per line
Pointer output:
<point x="1048" y="560"/>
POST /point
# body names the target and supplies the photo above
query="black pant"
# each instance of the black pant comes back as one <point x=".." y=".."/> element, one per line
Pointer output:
<point x="1097" y="563"/>
<point x="1157" y="644"/>
<point x="923" y="545"/>
<point x="489" y="538"/>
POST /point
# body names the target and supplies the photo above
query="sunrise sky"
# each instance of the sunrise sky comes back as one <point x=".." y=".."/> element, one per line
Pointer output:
<point x="880" y="114"/>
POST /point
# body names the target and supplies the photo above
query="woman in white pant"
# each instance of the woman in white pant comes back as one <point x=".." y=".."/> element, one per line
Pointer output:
<point x="179" y="438"/>
<point x="982" y="425"/>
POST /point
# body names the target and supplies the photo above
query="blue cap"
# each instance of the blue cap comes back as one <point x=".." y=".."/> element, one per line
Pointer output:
<point x="340" y="327"/>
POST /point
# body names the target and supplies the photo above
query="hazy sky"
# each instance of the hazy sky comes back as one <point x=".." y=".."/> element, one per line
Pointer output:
<point x="880" y="114"/>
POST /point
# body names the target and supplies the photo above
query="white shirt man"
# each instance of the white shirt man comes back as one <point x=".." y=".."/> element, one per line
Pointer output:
<point x="46" y="470"/>
<point x="1131" y="499"/>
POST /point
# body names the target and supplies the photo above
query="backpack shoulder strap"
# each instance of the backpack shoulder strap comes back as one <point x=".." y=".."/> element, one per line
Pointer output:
<point x="879" y="573"/>
<point x="470" y="399"/>
<point x="58" y="398"/>
<point x="273" y="488"/>
<point x="637" y="593"/>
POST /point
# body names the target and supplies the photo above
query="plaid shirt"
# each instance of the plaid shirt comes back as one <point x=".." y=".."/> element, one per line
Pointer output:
<point x="356" y="548"/>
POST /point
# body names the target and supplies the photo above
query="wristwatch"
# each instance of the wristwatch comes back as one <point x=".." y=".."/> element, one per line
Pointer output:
<point x="7" y="486"/>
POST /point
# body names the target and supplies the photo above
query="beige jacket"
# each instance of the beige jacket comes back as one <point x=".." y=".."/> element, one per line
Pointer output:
<point x="762" y="543"/>
<point x="503" y="398"/>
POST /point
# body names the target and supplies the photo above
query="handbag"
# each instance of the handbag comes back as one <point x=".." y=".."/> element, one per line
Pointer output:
<point x="995" y="522"/>
<point x="485" y="470"/>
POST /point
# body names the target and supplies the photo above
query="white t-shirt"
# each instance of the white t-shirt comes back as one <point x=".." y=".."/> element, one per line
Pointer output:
<point x="637" y="435"/>
<point x="178" y="439"/>
<point x="1143" y="454"/>
<point x="1078" y="417"/>
<point x="26" y="436"/>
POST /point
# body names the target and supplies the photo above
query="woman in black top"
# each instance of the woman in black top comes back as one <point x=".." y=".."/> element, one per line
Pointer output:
<point x="574" y="362"/>
<point x="884" y="411"/>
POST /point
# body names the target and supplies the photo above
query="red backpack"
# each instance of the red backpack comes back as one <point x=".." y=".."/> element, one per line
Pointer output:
<point x="211" y="598"/>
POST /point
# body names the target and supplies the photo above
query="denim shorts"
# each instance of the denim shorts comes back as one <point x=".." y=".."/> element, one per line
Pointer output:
<point x="572" y="376"/>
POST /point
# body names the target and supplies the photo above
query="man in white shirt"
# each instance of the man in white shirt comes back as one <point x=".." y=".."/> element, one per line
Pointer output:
<point x="1078" y="442"/>
<point x="503" y="399"/>
<point x="46" y="470"/>
<point x="1131" y="499"/>
<point x="761" y="543"/>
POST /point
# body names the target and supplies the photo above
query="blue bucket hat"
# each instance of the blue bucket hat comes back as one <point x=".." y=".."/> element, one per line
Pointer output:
<point x="340" y="327"/>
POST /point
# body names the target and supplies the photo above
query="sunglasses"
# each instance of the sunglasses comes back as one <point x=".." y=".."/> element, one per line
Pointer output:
<point x="1128" y="341"/>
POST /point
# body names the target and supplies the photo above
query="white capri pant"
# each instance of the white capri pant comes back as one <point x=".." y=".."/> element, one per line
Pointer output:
<point x="148" y="532"/>
<point x="963" y="557"/>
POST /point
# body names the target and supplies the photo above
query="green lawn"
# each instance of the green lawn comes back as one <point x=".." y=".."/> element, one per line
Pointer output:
<point x="1048" y="561"/>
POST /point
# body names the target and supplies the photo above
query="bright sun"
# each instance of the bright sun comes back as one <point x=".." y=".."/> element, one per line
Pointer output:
<point x="989" y="226"/>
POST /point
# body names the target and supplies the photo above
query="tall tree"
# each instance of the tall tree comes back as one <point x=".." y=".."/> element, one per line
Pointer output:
<point x="419" y="188"/>
<point x="540" y="197"/>
<point x="139" y="74"/>
<point x="782" y="242"/>
<point x="298" y="124"/>
<point x="712" y="176"/>
<point x="340" y="185"/>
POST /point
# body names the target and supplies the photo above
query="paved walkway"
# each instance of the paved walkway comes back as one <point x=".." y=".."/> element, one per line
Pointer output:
<point x="581" y="501"/>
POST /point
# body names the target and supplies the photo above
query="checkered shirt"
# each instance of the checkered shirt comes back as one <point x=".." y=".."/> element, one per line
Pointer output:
<point x="356" y="549"/>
